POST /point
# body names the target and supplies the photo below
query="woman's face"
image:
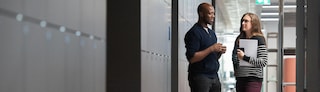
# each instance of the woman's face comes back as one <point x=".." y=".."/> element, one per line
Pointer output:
<point x="246" y="23"/>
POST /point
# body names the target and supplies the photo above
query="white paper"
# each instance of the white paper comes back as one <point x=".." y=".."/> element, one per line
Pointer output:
<point x="250" y="49"/>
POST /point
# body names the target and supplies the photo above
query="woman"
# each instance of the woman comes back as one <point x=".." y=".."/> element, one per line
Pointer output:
<point x="249" y="78"/>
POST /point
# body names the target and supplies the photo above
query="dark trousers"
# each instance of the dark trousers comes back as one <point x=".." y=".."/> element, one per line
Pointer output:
<point x="201" y="83"/>
<point x="243" y="85"/>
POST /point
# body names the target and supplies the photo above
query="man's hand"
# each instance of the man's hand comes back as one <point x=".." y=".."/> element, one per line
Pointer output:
<point x="216" y="47"/>
<point x="223" y="49"/>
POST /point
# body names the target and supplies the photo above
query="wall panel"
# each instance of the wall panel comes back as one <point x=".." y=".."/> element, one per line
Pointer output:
<point x="156" y="45"/>
<point x="37" y="57"/>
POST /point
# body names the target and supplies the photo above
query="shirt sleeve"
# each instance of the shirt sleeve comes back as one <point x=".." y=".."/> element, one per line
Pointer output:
<point x="234" y="53"/>
<point x="235" y="59"/>
<point x="262" y="54"/>
<point x="192" y="44"/>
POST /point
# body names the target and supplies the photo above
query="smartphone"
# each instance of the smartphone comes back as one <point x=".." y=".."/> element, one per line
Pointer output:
<point x="241" y="49"/>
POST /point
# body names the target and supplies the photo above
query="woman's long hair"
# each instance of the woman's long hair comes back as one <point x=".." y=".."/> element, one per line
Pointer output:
<point x="256" y="27"/>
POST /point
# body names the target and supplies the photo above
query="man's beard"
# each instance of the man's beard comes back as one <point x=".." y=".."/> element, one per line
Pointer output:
<point x="210" y="22"/>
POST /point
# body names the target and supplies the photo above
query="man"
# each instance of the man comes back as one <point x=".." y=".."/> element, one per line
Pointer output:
<point x="203" y="52"/>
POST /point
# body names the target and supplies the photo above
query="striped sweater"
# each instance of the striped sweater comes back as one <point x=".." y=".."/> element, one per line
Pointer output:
<point x="258" y="63"/>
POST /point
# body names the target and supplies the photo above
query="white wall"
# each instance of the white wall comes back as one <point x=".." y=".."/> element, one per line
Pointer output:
<point x="289" y="35"/>
<point x="155" y="45"/>
<point x="42" y="59"/>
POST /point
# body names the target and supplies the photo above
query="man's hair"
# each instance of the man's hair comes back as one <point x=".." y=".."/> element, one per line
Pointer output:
<point x="202" y="7"/>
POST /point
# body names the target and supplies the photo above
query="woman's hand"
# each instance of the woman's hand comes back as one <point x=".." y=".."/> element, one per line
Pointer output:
<point x="240" y="54"/>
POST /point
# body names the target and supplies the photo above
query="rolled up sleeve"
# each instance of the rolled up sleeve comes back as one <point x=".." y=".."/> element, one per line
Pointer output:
<point x="192" y="44"/>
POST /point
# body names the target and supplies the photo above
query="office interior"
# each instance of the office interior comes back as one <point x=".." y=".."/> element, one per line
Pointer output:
<point x="137" y="45"/>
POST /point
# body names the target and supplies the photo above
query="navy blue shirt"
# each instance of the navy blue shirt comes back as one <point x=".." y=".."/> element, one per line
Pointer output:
<point x="198" y="39"/>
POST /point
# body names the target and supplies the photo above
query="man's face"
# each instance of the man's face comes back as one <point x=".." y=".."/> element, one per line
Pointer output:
<point x="208" y="15"/>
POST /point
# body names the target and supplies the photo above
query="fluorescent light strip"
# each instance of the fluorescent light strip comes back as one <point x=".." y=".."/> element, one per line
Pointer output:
<point x="269" y="19"/>
<point x="286" y="6"/>
<point x="265" y="14"/>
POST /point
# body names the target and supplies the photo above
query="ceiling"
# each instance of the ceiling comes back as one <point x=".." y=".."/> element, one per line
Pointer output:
<point x="229" y="13"/>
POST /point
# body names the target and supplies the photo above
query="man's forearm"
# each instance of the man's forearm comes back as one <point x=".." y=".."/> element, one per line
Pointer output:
<point x="200" y="55"/>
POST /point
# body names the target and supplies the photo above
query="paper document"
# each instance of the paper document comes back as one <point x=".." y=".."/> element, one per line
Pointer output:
<point x="250" y="49"/>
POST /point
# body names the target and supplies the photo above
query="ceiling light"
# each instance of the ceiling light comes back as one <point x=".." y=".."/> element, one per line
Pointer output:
<point x="78" y="33"/>
<point x="19" y="17"/>
<point x="275" y="7"/>
<point x="265" y="14"/>
<point x="269" y="19"/>
<point x="43" y="24"/>
<point x="62" y="29"/>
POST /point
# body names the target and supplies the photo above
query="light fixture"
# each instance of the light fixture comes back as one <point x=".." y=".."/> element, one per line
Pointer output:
<point x="269" y="19"/>
<point x="19" y="17"/>
<point x="91" y="37"/>
<point x="62" y="29"/>
<point x="78" y="33"/>
<point x="43" y="24"/>
<point x="266" y="14"/>
<point x="276" y="7"/>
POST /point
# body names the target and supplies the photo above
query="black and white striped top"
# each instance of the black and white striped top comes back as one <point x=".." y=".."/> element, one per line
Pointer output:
<point x="258" y="63"/>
